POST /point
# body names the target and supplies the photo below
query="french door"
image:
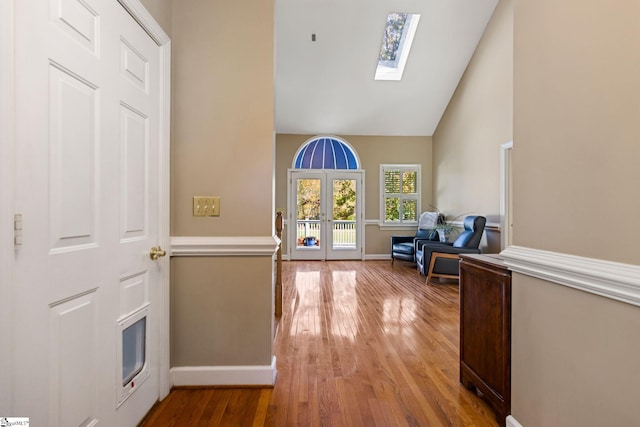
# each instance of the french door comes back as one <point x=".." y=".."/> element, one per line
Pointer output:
<point x="326" y="215"/>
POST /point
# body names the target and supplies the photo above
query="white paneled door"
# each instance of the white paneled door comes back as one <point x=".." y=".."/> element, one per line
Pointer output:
<point x="87" y="114"/>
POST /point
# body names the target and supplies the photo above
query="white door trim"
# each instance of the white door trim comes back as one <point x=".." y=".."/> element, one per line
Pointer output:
<point x="506" y="194"/>
<point x="149" y="24"/>
<point x="7" y="188"/>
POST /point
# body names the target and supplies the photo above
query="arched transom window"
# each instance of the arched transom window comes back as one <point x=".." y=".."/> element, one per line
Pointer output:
<point x="326" y="152"/>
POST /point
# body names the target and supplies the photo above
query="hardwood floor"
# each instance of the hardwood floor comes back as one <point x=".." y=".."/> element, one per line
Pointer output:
<point x="358" y="344"/>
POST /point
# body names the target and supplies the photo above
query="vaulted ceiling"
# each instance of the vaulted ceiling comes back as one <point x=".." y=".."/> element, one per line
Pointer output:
<point x="326" y="86"/>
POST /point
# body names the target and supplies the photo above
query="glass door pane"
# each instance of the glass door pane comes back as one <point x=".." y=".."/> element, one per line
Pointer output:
<point x="308" y="214"/>
<point x="343" y="214"/>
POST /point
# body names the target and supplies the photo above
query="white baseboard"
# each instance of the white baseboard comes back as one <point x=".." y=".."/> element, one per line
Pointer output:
<point x="511" y="422"/>
<point x="224" y="375"/>
<point x="377" y="257"/>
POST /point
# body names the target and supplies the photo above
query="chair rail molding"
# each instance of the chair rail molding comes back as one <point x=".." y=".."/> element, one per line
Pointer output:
<point x="489" y="226"/>
<point x="512" y="422"/>
<point x="609" y="279"/>
<point x="224" y="245"/>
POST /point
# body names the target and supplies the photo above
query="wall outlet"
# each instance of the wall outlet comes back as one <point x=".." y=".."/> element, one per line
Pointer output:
<point x="206" y="205"/>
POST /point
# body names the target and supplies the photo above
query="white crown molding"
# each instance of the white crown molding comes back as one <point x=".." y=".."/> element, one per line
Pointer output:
<point x="609" y="279"/>
<point x="225" y="375"/>
<point x="224" y="246"/>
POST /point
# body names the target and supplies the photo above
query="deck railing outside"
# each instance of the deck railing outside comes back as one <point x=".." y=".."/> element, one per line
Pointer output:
<point x="344" y="232"/>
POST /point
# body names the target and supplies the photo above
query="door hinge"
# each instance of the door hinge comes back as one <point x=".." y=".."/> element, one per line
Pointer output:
<point x="17" y="229"/>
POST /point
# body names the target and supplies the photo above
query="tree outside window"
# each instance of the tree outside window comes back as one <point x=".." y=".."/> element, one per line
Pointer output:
<point x="309" y="199"/>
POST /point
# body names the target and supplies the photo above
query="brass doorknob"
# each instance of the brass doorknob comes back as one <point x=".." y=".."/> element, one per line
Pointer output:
<point x="156" y="252"/>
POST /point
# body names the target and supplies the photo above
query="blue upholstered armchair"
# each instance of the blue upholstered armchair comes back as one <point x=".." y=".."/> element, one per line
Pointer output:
<point x="445" y="255"/>
<point x="404" y="247"/>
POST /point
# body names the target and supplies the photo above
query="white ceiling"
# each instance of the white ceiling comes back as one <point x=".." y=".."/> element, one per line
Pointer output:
<point x="327" y="86"/>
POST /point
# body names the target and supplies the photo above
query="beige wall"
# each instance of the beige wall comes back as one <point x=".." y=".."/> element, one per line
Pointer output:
<point x="373" y="151"/>
<point x="576" y="154"/>
<point x="222" y="145"/>
<point x="161" y="10"/>
<point x="218" y="314"/>
<point x="576" y="148"/>
<point x="222" y="121"/>
<point x="478" y="119"/>
<point x="575" y="357"/>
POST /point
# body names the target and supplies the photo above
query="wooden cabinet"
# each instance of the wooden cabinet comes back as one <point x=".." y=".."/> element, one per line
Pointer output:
<point x="485" y="330"/>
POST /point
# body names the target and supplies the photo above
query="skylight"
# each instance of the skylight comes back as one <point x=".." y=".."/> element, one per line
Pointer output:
<point x="396" y="44"/>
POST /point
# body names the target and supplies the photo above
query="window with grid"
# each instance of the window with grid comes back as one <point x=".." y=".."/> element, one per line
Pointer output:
<point x="400" y="194"/>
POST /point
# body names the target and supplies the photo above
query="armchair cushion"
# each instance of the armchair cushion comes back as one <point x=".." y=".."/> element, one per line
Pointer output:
<point x="404" y="247"/>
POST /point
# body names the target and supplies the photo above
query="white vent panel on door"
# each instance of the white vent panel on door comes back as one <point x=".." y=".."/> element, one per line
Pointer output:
<point x="73" y="172"/>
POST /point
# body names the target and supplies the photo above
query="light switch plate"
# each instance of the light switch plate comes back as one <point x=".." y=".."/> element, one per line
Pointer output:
<point x="206" y="205"/>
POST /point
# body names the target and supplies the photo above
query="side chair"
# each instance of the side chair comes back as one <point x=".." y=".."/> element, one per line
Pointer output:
<point x="436" y="259"/>
<point x="404" y="247"/>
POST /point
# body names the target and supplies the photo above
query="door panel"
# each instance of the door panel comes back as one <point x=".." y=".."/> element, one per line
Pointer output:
<point x="87" y="131"/>
<point x="134" y="137"/>
<point x="78" y="20"/>
<point x="327" y="215"/>
<point x="73" y="147"/>
<point x="71" y="325"/>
